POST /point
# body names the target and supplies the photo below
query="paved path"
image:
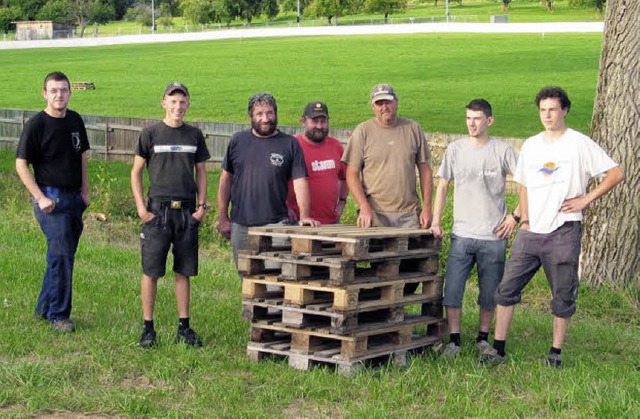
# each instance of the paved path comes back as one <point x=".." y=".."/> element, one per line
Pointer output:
<point x="407" y="28"/>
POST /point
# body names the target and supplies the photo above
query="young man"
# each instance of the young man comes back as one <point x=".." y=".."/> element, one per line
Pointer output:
<point x="172" y="151"/>
<point x="55" y="142"/>
<point x="322" y="155"/>
<point x="384" y="152"/>
<point x="479" y="165"/>
<point x="553" y="168"/>
<point x="255" y="176"/>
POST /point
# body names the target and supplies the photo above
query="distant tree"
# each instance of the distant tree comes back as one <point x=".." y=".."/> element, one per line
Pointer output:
<point x="386" y="7"/>
<point x="248" y="9"/>
<point x="165" y="18"/>
<point x="57" y="11"/>
<point x="87" y="12"/>
<point x="506" y="4"/>
<point x="198" y="12"/>
<point x="611" y="240"/>
<point x="28" y="8"/>
<point x="120" y="7"/>
<point x="548" y="4"/>
<point x="8" y="15"/>
<point x="292" y="5"/>
<point x="586" y="4"/>
<point x="333" y="9"/>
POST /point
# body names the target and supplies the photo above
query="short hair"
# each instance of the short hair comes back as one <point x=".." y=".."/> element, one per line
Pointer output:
<point x="262" y="99"/>
<point x="480" y="105"/>
<point x="56" y="76"/>
<point x="551" y="92"/>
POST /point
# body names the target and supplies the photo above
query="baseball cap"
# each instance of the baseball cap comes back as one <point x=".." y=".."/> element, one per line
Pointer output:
<point x="383" y="91"/>
<point x="315" y="109"/>
<point x="176" y="86"/>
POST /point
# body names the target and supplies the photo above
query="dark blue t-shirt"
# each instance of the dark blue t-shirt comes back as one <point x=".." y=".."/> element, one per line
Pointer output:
<point x="261" y="169"/>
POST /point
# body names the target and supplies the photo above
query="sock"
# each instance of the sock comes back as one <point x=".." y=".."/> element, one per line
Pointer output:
<point x="148" y="325"/>
<point x="555" y="350"/>
<point x="183" y="323"/>
<point x="499" y="345"/>
<point x="455" y="338"/>
<point x="482" y="336"/>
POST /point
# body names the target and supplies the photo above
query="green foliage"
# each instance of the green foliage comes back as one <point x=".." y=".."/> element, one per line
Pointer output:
<point x="589" y="4"/>
<point x="386" y="7"/>
<point x="56" y="11"/>
<point x="8" y="15"/>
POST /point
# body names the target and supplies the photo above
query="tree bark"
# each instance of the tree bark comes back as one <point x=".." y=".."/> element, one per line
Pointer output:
<point x="611" y="240"/>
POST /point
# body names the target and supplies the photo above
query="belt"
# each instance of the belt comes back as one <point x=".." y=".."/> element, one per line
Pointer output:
<point x="172" y="204"/>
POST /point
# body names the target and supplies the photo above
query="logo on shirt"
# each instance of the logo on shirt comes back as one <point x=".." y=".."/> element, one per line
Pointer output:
<point x="319" y="166"/>
<point x="276" y="159"/>
<point x="548" y="168"/>
<point x="75" y="140"/>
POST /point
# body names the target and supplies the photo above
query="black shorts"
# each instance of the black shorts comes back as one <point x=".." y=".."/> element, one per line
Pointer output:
<point x="175" y="227"/>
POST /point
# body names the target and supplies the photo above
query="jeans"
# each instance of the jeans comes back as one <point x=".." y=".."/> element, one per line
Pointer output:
<point x="62" y="227"/>
<point x="464" y="252"/>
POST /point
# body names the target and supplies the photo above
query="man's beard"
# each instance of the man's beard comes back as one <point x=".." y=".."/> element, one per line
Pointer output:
<point x="266" y="129"/>
<point x="316" y="135"/>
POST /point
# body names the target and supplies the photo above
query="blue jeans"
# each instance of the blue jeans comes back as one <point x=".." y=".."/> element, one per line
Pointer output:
<point x="62" y="227"/>
<point x="464" y="252"/>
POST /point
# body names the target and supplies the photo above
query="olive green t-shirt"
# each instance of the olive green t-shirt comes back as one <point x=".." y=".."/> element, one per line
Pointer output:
<point x="387" y="158"/>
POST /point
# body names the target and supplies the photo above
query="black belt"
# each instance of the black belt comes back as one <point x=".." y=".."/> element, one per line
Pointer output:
<point x="172" y="204"/>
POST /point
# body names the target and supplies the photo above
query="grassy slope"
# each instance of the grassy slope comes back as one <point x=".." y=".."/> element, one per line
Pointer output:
<point x="100" y="369"/>
<point x="435" y="75"/>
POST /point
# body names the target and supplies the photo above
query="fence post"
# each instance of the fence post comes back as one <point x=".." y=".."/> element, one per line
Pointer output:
<point x="106" y="140"/>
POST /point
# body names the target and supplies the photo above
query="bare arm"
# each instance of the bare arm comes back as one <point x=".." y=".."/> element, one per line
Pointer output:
<point x="137" y="189"/>
<point x="28" y="179"/>
<point x="201" y="185"/>
<point x="613" y="176"/>
<point x="365" y="217"/>
<point x="224" y="197"/>
<point x="426" y="185"/>
<point x="524" y="208"/>
<point x="301" y="188"/>
<point x="438" y="207"/>
<point x="343" y="193"/>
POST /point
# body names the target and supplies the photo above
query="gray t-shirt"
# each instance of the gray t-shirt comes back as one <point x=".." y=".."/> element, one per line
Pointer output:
<point x="480" y="175"/>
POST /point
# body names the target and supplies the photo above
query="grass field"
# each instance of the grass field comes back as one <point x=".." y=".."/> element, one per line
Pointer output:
<point x="99" y="371"/>
<point x="435" y="76"/>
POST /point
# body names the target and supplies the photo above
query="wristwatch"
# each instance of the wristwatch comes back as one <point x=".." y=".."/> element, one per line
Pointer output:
<point x="204" y="205"/>
<point x="515" y="217"/>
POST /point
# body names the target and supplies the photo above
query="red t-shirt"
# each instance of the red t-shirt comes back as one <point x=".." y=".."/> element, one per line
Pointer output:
<point x="325" y="170"/>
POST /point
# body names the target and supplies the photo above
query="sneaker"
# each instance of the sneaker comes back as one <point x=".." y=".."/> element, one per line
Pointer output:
<point x="482" y="346"/>
<point x="148" y="339"/>
<point x="490" y="357"/>
<point x="450" y="351"/>
<point x="63" y="326"/>
<point x="189" y="337"/>
<point x="553" y="360"/>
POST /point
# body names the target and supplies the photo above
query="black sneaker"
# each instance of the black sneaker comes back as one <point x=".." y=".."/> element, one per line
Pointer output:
<point x="553" y="360"/>
<point x="189" y="337"/>
<point x="148" y="339"/>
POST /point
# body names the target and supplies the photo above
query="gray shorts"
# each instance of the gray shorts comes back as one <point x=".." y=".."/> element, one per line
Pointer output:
<point x="175" y="227"/>
<point x="407" y="220"/>
<point x="557" y="252"/>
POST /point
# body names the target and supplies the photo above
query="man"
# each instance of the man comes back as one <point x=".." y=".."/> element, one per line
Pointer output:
<point x="553" y="169"/>
<point x="479" y="165"/>
<point x="172" y="151"/>
<point x="322" y="155"/>
<point x="385" y="150"/>
<point x="54" y="142"/>
<point x="255" y="175"/>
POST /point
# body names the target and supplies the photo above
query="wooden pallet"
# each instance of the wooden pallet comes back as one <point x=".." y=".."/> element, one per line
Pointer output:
<point x="342" y="298"/>
<point x="346" y="240"/>
<point x="322" y="316"/>
<point x="339" y="270"/>
<point x="83" y="85"/>
<point x="368" y="342"/>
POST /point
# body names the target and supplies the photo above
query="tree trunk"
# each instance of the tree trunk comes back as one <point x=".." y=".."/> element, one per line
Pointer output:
<point x="611" y="241"/>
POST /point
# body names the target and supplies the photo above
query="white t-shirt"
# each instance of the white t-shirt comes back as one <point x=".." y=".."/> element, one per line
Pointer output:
<point x="480" y="175"/>
<point x="554" y="171"/>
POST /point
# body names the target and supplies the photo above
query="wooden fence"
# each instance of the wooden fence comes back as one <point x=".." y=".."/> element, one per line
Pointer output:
<point x="114" y="138"/>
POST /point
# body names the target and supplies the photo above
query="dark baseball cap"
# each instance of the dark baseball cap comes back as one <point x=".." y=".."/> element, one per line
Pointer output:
<point x="176" y="87"/>
<point x="315" y="109"/>
<point x="383" y="91"/>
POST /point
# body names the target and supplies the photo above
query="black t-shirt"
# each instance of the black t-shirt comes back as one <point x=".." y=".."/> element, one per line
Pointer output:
<point x="171" y="155"/>
<point x="261" y="169"/>
<point x="54" y="147"/>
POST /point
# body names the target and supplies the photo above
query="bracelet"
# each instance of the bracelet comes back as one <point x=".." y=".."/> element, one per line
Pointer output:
<point x="515" y="217"/>
<point x="525" y="222"/>
<point x="205" y="206"/>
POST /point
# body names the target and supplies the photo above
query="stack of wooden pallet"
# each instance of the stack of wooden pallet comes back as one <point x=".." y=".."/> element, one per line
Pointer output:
<point x="341" y="295"/>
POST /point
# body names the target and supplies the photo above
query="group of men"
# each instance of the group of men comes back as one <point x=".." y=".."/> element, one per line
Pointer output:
<point x="271" y="178"/>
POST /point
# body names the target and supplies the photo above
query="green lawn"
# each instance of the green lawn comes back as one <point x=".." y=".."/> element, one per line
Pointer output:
<point x="436" y="75"/>
<point x="100" y="371"/>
